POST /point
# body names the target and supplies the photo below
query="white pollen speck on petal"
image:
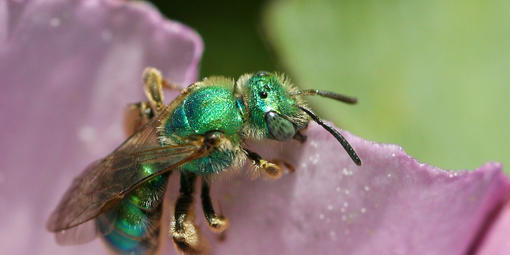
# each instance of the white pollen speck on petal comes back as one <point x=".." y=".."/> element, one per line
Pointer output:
<point x="321" y="216"/>
<point x="54" y="22"/>
<point x="87" y="134"/>
<point x="366" y="188"/>
<point x="347" y="172"/>
<point x="363" y="210"/>
<point x="314" y="159"/>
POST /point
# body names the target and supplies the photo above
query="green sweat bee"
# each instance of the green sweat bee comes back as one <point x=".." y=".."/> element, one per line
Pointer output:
<point x="203" y="132"/>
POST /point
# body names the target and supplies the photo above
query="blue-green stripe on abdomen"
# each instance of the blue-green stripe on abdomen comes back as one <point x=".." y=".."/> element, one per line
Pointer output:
<point x="132" y="227"/>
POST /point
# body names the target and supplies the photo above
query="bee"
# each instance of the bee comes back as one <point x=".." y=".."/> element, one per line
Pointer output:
<point x="200" y="134"/>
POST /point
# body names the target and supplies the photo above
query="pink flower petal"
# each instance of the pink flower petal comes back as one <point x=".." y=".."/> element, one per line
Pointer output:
<point x="392" y="204"/>
<point x="496" y="241"/>
<point x="68" y="70"/>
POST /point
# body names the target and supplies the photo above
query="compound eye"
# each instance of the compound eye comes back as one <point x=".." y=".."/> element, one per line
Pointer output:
<point x="263" y="94"/>
<point x="279" y="127"/>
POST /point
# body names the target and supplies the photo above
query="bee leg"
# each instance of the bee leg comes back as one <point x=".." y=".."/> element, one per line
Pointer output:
<point x="272" y="169"/>
<point x="288" y="165"/>
<point x="153" y="87"/>
<point x="171" y="86"/>
<point x="136" y="115"/>
<point x="184" y="233"/>
<point x="217" y="223"/>
<point x="153" y="84"/>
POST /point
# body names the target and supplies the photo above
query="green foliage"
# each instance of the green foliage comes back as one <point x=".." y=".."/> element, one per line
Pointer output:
<point x="431" y="76"/>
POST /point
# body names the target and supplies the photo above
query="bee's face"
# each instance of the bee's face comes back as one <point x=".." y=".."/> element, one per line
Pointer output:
<point x="272" y="107"/>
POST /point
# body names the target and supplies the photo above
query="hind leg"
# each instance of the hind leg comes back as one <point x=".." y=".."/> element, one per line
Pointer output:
<point x="138" y="114"/>
<point x="153" y="84"/>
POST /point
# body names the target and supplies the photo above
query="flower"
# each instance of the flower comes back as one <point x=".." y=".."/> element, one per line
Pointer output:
<point x="68" y="71"/>
<point x="70" y="67"/>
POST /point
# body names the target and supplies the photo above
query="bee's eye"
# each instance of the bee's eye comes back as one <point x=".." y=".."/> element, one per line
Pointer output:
<point x="263" y="94"/>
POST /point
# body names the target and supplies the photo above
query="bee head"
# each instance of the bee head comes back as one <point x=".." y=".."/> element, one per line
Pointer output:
<point x="275" y="109"/>
<point x="271" y="106"/>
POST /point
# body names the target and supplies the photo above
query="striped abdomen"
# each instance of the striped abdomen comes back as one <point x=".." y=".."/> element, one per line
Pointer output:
<point x="132" y="227"/>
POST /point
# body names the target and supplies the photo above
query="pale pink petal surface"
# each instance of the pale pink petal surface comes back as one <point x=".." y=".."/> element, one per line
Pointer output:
<point x="497" y="241"/>
<point x="68" y="69"/>
<point x="390" y="205"/>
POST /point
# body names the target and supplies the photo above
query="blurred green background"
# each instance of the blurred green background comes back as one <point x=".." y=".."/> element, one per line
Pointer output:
<point x="430" y="75"/>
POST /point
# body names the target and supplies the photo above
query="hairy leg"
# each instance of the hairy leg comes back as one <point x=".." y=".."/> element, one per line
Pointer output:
<point x="184" y="233"/>
<point x="154" y="82"/>
<point x="217" y="223"/>
<point x="138" y="114"/>
<point x="272" y="168"/>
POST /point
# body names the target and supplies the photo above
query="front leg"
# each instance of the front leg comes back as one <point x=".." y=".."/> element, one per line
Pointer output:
<point x="272" y="168"/>
<point x="217" y="223"/>
<point x="184" y="233"/>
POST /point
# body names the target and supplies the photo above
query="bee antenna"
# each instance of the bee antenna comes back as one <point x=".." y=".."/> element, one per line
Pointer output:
<point x="354" y="156"/>
<point x="328" y="94"/>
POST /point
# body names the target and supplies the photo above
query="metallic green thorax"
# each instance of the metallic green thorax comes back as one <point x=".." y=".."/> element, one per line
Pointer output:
<point x="206" y="108"/>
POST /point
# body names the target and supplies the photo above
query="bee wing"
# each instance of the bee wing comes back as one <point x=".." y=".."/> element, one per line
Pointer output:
<point x="104" y="182"/>
<point x="80" y="234"/>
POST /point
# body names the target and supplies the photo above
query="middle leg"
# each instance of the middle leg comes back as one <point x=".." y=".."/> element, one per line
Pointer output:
<point x="217" y="223"/>
<point x="184" y="233"/>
